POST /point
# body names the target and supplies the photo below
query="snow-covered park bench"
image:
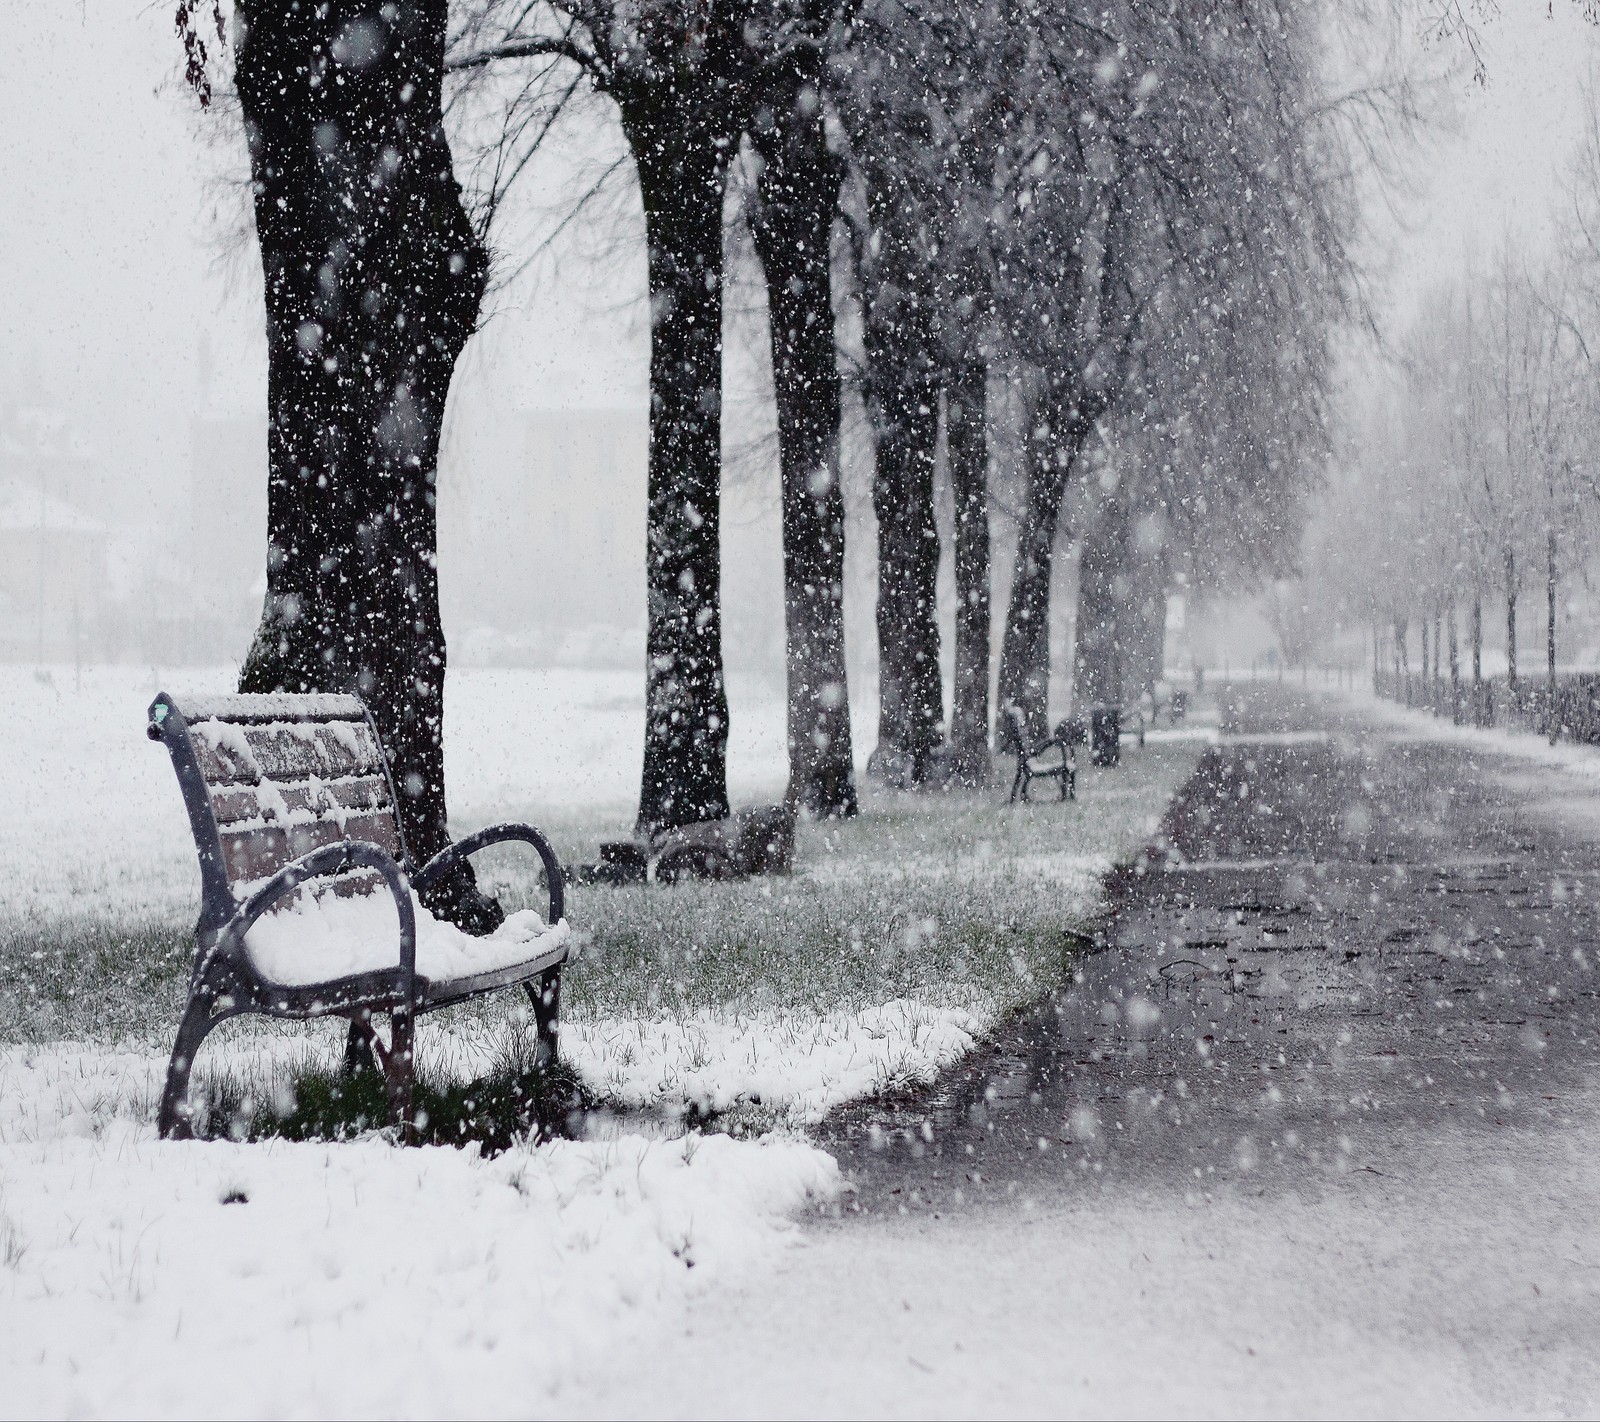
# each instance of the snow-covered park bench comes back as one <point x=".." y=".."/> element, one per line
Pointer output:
<point x="1035" y="764"/>
<point x="308" y="896"/>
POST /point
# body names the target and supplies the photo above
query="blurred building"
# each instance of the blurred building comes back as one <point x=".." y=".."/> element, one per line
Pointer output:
<point x="220" y="555"/>
<point x="53" y="563"/>
<point x="542" y="536"/>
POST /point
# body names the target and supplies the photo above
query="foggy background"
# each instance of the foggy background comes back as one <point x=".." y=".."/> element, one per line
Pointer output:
<point x="133" y="376"/>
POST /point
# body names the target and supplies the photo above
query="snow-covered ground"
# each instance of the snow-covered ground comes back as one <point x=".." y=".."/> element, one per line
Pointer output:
<point x="899" y="939"/>
<point x="276" y="1277"/>
<point x="146" y="1278"/>
<point x="1401" y="722"/>
<point x="1444" y="1275"/>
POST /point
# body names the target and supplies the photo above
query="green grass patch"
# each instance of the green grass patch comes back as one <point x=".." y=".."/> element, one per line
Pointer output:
<point x="941" y="897"/>
<point x="312" y="1100"/>
<point x="953" y="900"/>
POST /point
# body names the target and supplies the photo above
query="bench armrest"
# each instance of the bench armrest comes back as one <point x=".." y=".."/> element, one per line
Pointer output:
<point x="462" y="849"/>
<point x="1054" y="742"/>
<point x="320" y="863"/>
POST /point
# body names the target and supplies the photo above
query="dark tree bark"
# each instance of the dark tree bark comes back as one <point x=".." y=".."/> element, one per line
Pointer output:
<point x="1098" y="652"/>
<point x="1511" y="624"/>
<point x="681" y="149"/>
<point x="899" y="286"/>
<point x="792" y="225"/>
<point x="910" y="691"/>
<point x="1551" y="714"/>
<point x="1428" y="690"/>
<point x="373" y="279"/>
<point x="1480" y="710"/>
<point x="1455" y="665"/>
<point x="1053" y="446"/>
<point x="967" y="452"/>
<point x="1439" y="645"/>
<point x="1477" y="640"/>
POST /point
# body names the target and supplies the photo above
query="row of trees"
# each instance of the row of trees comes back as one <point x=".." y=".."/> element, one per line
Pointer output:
<point x="1135" y="215"/>
<point x="1483" y="457"/>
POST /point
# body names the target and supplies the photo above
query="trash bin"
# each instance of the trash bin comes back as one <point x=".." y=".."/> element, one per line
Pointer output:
<point x="1105" y="734"/>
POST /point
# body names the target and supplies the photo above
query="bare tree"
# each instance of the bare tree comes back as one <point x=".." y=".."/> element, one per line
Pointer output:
<point x="688" y="81"/>
<point x="792" y="224"/>
<point x="373" y="277"/>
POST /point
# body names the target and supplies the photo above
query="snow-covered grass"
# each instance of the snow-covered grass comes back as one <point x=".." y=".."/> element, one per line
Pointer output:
<point x="899" y="939"/>
<point x="1402" y="722"/>
<point x="281" y="1278"/>
<point x="141" y="1277"/>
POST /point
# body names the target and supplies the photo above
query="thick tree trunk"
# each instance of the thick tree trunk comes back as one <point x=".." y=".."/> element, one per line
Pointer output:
<point x="1551" y="714"/>
<point x="1098" y="657"/>
<point x="792" y="226"/>
<point x="1455" y="665"/>
<point x="1477" y="639"/>
<point x="1511" y="624"/>
<point x="910" y="692"/>
<point x="1439" y="647"/>
<point x="1428" y="688"/>
<point x="1052" y="449"/>
<point x="682" y="173"/>
<point x="902" y="388"/>
<point x="967" y="446"/>
<point x="373" y="280"/>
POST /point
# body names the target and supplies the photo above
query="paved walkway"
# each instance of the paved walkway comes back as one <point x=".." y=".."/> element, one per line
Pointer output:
<point x="1315" y="1130"/>
<point x="1352" y="936"/>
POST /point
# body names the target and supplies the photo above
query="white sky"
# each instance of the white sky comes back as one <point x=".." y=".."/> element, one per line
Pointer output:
<point x="108" y="252"/>
<point x="1502" y="168"/>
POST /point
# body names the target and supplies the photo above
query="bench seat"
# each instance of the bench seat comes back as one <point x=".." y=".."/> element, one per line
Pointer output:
<point x="325" y="937"/>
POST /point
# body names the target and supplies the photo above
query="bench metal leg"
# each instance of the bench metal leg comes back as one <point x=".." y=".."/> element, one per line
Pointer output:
<point x="358" y="1053"/>
<point x="364" y="1049"/>
<point x="400" y="1073"/>
<point x="198" y="1019"/>
<point x="545" y="995"/>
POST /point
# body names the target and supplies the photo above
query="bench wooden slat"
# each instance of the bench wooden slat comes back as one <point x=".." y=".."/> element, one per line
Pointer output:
<point x="269" y="802"/>
<point x="254" y="854"/>
<point x="232" y="753"/>
<point x="284" y="706"/>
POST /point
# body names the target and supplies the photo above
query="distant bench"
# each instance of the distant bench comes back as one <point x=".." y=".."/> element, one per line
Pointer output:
<point x="1100" y="728"/>
<point x="308" y="897"/>
<point x="1035" y="764"/>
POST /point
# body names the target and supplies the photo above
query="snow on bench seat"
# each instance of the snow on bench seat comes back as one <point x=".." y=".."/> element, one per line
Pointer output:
<point x="320" y="938"/>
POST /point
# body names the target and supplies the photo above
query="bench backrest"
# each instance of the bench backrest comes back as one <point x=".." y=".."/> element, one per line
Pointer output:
<point x="267" y="779"/>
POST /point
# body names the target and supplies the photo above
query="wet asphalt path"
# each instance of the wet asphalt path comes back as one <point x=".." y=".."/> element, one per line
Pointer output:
<point x="1340" y="940"/>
